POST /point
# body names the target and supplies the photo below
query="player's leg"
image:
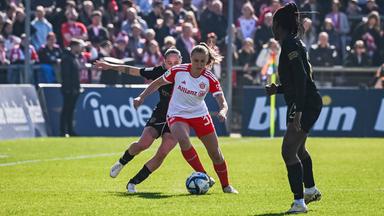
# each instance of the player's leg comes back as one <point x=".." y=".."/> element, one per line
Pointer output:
<point x="291" y="143"/>
<point x="148" y="135"/>
<point x="205" y="130"/>
<point x="167" y="144"/>
<point x="311" y="193"/>
<point x="180" y="130"/>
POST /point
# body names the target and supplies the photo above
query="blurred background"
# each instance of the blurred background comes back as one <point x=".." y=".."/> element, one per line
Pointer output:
<point x="345" y="41"/>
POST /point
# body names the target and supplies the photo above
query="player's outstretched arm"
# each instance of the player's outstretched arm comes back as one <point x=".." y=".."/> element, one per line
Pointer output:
<point x="131" y="70"/>
<point x="152" y="87"/>
<point x="223" y="106"/>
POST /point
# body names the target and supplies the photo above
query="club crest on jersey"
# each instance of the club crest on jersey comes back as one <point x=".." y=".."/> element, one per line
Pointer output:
<point x="202" y="85"/>
<point x="201" y="93"/>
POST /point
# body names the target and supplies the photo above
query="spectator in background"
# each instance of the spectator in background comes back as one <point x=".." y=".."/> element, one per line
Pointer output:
<point x="378" y="82"/>
<point x="108" y="77"/>
<point x="155" y="15"/>
<point x="211" y="42"/>
<point x="3" y="61"/>
<point x="86" y="13"/>
<point x="357" y="57"/>
<point x="50" y="57"/>
<point x="322" y="53"/>
<point x="188" y="6"/>
<point x="150" y="35"/>
<point x="353" y="9"/>
<point x="120" y="49"/>
<point x="213" y="20"/>
<point x="264" y="32"/>
<point x="70" y="86"/>
<point x="185" y="42"/>
<point x="136" y="43"/>
<point x="132" y="18"/>
<point x="19" y="23"/>
<point x="145" y="6"/>
<point x="369" y="31"/>
<point x="152" y="57"/>
<point x="333" y="36"/>
<point x="73" y="29"/>
<point x="371" y="6"/>
<point x="309" y="34"/>
<point x="272" y="48"/>
<point x="56" y="17"/>
<point x="166" y="27"/>
<point x="340" y="23"/>
<point x="42" y="27"/>
<point x="9" y="39"/>
<point x="11" y="11"/>
<point x="247" y="23"/>
<point x="247" y="58"/>
<point x="190" y="18"/>
<point x="169" y="42"/>
<point x="317" y="18"/>
<point x="178" y="11"/>
<point x="111" y="32"/>
<point x="96" y="32"/>
<point x="17" y="56"/>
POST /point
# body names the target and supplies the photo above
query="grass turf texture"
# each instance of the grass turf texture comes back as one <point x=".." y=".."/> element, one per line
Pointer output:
<point x="349" y="173"/>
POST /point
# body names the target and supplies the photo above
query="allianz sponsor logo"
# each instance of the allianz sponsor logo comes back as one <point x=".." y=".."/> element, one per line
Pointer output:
<point x="13" y="113"/>
<point x="335" y="118"/>
<point x="108" y="115"/>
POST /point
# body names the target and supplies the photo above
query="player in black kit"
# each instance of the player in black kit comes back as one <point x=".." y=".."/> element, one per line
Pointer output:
<point x="156" y="126"/>
<point x="304" y="106"/>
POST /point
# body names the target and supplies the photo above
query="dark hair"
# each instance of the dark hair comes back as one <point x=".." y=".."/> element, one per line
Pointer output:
<point x="213" y="56"/>
<point x="288" y="18"/>
<point x="172" y="50"/>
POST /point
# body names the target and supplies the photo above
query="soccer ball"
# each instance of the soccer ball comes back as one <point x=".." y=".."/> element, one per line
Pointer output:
<point x="197" y="183"/>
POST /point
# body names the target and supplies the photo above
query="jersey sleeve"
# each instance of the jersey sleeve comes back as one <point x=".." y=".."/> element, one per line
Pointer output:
<point x="169" y="75"/>
<point x="151" y="73"/>
<point x="214" y="86"/>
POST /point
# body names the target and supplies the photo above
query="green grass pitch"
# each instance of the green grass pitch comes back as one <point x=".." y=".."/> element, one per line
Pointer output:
<point x="55" y="176"/>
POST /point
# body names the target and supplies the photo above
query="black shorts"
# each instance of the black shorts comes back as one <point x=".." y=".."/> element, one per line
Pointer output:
<point x="309" y="116"/>
<point x="159" y="122"/>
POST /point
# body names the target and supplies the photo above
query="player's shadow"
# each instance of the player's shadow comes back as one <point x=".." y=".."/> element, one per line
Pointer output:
<point x="271" y="214"/>
<point x="148" y="195"/>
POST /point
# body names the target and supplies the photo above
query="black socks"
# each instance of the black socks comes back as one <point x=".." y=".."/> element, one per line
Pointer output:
<point x="295" y="177"/>
<point x="140" y="176"/>
<point x="308" y="173"/>
<point x="126" y="158"/>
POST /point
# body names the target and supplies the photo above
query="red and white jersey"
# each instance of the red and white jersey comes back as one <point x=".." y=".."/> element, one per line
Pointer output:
<point x="188" y="95"/>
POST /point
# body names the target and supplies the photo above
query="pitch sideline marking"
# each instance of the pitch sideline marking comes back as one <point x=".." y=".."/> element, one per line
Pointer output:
<point x="58" y="159"/>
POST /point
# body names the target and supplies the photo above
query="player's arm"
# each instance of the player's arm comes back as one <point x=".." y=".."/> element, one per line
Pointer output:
<point x="152" y="87"/>
<point x="223" y="107"/>
<point x="131" y="70"/>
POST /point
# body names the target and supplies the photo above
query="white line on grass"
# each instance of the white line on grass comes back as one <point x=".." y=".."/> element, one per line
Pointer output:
<point x="79" y="157"/>
<point x="3" y="156"/>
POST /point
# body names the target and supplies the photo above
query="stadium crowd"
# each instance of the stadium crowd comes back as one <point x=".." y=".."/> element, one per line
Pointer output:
<point x="346" y="32"/>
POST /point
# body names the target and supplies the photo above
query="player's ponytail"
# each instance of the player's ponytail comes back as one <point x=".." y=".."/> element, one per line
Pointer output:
<point x="213" y="56"/>
<point x="288" y="18"/>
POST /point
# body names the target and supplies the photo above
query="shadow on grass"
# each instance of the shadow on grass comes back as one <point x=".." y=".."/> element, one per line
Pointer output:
<point x="271" y="214"/>
<point x="151" y="195"/>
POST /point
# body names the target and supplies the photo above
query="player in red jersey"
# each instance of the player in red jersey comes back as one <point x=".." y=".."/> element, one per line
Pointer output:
<point x="187" y="108"/>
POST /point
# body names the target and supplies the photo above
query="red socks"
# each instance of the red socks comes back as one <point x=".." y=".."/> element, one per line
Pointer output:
<point x="192" y="158"/>
<point x="221" y="170"/>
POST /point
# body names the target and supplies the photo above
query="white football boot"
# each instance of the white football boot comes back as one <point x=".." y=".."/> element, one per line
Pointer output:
<point x="312" y="196"/>
<point x="297" y="208"/>
<point x="131" y="188"/>
<point x="230" y="189"/>
<point x="115" y="169"/>
<point x="211" y="181"/>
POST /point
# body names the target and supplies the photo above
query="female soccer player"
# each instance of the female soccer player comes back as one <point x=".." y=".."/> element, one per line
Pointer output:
<point x="304" y="106"/>
<point x="156" y="125"/>
<point x="187" y="108"/>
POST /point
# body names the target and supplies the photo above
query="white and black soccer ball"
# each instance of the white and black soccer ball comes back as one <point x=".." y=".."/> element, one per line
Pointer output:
<point x="197" y="183"/>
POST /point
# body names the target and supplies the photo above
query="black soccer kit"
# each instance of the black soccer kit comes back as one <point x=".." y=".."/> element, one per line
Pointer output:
<point x="296" y="83"/>
<point x="158" y="118"/>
